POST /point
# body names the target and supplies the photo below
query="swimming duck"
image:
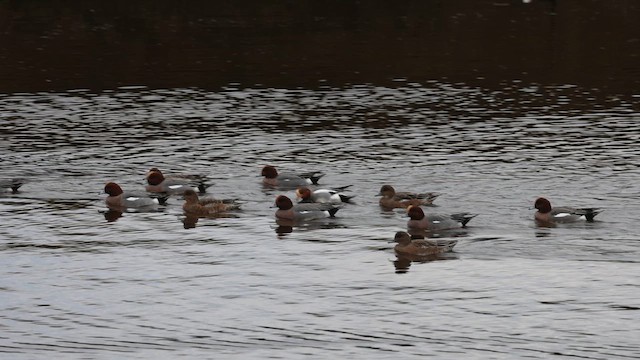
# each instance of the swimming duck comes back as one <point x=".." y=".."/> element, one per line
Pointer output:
<point x="156" y="182"/>
<point x="204" y="207"/>
<point x="119" y="199"/>
<point x="333" y="196"/>
<point x="13" y="184"/>
<point x="563" y="214"/>
<point x="391" y="199"/>
<point x="287" y="180"/>
<point x="303" y="211"/>
<point x="408" y="245"/>
<point x="432" y="222"/>
<point x="194" y="179"/>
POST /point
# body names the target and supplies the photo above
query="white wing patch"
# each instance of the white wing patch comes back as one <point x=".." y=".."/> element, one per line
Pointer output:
<point x="561" y="215"/>
<point x="132" y="198"/>
<point x="175" y="187"/>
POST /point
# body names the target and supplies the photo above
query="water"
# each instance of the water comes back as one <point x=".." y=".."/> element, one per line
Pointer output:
<point x="79" y="282"/>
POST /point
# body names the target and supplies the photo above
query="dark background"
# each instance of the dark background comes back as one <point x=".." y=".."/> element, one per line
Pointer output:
<point x="97" y="44"/>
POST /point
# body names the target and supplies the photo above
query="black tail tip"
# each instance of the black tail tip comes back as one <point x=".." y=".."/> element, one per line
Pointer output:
<point x="464" y="218"/>
<point x="342" y="188"/>
<point x="591" y="213"/>
<point x="162" y="200"/>
<point x="15" y="185"/>
<point x="202" y="187"/>
<point x="346" y="198"/>
<point x="314" y="179"/>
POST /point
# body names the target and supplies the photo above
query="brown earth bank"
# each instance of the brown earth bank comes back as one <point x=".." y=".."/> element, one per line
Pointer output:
<point x="92" y="44"/>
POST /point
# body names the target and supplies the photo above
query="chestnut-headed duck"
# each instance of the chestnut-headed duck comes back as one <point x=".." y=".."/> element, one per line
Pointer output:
<point x="332" y="196"/>
<point x="120" y="199"/>
<point x="420" y="246"/>
<point x="288" y="180"/>
<point x="391" y="199"/>
<point x="157" y="183"/>
<point x="563" y="214"/>
<point x="420" y="220"/>
<point x="206" y="206"/>
<point x="195" y="179"/>
<point x="303" y="211"/>
<point x="12" y="185"/>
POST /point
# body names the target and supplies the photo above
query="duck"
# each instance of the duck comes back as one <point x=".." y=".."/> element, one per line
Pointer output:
<point x="333" y="196"/>
<point x="303" y="211"/>
<point x="12" y="184"/>
<point x="434" y="222"/>
<point x="564" y="214"/>
<point x="407" y="245"/>
<point x="392" y="200"/>
<point x="157" y="183"/>
<point x="119" y="199"/>
<point x="193" y="205"/>
<point x="197" y="179"/>
<point x="288" y="180"/>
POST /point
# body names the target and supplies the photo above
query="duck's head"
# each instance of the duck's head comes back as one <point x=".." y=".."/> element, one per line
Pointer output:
<point x="112" y="189"/>
<point x="415" y="212"/>
<point x="387" y="191"/>
<point x="543" y="205"/>
<point x="269" y="172"/>
<point x="303" y="193"/>
<point x="155" y="178"/>
<point x="283" y="202"/>
<point x="190" y="196"/>
<point x="152" y="170"/>
<point x="402" y="237"/>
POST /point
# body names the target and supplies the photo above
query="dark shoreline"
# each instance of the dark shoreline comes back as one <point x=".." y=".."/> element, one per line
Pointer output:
<point x="96" y="45"/>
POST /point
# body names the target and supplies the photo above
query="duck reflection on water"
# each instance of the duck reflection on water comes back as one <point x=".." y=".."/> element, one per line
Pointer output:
<point x="112" y="215"/>
<point x="403" y="262"/>
<point x="11" y="185"/>
<point x="287" y="226"/>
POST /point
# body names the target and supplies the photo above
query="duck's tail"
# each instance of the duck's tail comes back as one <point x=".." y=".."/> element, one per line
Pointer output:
<point x="15" y="184"/>
<point x="346" y="198"/>
<point x="230" y="201"/>
<point x="233" y="205"/>
<point x="202" y="187"/>
<point x="162" y="198"/>
<point x="424" y="198"/>
<point x="313" y="176"/>
<point x="341" y="188"/>
<point x="589" y="213"/>
<point x="463" y="218"/>
<point x="429" y="197"/>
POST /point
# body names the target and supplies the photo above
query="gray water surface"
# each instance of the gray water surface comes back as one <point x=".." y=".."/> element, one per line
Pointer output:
<point x="78" y="281"/>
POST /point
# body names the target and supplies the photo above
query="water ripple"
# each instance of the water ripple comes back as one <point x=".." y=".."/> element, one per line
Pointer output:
<point x="81" y="281"/>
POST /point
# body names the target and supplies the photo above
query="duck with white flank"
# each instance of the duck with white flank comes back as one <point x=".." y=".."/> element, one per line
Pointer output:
<point x="333" y="196"/>
<point x="434" y="222"/>
<point x="303" y="211"/>
<point x="563" y="214"/>
<point x="288" y="180"/>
